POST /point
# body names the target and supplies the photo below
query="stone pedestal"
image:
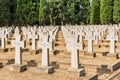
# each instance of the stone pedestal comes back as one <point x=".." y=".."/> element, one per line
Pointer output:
<point x="1" y="64"/>
<point x="89" y="55"/>
<point x="113" y="55"/>
<point x="53" y="52"/>
<point x="93" y="77"/>
<point x="8" y="42"/>
<point x="12" y="49"/>
<point x="32" y="63"/>
<point x="34" y="52"/>
<point x="101" y="54"/>
<point x="2" y="50"/>
<point x="118" y="55"/>
<point x="114" y="66"/>
<point x="77" y="72"/>
<point x="18" y="68"/>
<point x="48" y="70"/>
<point x="103" y="69"/>
<point x="25" y="50"/>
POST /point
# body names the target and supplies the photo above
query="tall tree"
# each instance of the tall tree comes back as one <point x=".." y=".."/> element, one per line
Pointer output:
<point x="12" y="12"/>
<point x="34" y="12"/>
<point x="116" y="13"/>
<point x="43" y="12"/>
<point x="4" y="12"/>
<point x="95" y="12"/>
<point x="22" y="11"/>
<point x="85" y="11"/>
<point x="73" y="9"/>
<point x="106" y="11"/>
<point x="62" y="10"/>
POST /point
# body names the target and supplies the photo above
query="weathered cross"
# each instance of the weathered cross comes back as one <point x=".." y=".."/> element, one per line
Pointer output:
<point x="34" y="37"/>
<point x="112" y="39"/>
<point x="18" y="49"/>
<point x="45" y="52"/>
<point x="96" y="34"/>
<point x="74" y="55"/>
<point x="3" y="37"/>
<point x="90" y="42"/>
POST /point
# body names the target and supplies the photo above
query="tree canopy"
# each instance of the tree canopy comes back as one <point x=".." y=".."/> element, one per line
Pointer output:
<point x="59" y="12"/>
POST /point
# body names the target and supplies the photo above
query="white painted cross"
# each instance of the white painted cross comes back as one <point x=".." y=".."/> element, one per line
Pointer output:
<point x="81" y="36"/>
<point x="90" y="42"/>
<point x="3" y="37"/>
<point x="112" y="39"/>
<point x="18" y="49"/>
<point x="34" y="37"/>
<point x="74" y="55"/>
<point x="45" y="53"/>
<point x="96" y="34"/>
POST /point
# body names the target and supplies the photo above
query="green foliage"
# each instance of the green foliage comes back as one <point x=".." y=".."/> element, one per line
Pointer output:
<point x="4" y="12"/>
<point x="85" y="11"/>
<point x="116" y="13"/>
<point x="59" y="12"/>
<point x="42" y="11"/>
<point x="22" y="11"/>
<point x="95" y="12"/>
<point x="106" y="12"/>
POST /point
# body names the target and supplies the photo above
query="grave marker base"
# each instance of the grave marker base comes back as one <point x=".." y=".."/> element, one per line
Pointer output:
<point x="76" y="72"/>
<point x="103" y="69"/>
<point x="25" y="50"/>
<point x="2" y="50"/>
<point x="53" y="52"/>
<point x="114" y="66"/>
<point x="34" y="52"/>
<point x="1" y="64"/>
<point x="118" y="55"/>
<point x="93" y="77"/>
<point x="10" y="61"/>
<point x="89" y="55"/>
<point x="101" y="54"/>
<point x="12" y="49"/>
<point x="9" y="42"/>
<point x="48" y="70"/>
<point x="32" y="63"/>
<point x="18" y="68"/>
<point x="112" y="55"/>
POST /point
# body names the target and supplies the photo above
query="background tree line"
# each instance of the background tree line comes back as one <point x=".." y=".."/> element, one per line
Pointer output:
<point x="59" y="12"/>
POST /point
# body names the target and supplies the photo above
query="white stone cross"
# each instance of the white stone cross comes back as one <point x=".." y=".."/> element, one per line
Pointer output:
<point x="112" y="39"/>
<point x="90" y="42"/>
<point x="18" y="49"/>
<point x="3" y="37"/>
<point x="96" y="34"/>
<point x="81" y="36"/>
<point x="45" y="53"/>
<point x="74" y="55"/>
<point x="34" y="37"/>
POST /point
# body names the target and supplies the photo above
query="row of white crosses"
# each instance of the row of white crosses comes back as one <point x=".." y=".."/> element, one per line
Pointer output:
<point x="4" y="35"/>
<point x="38" y="32"/>
<point x="92" y="32"/>
<point x="45" y="45"/>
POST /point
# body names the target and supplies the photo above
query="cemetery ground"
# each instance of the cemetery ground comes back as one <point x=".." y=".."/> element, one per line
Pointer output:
<point x="61" y="61"/>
